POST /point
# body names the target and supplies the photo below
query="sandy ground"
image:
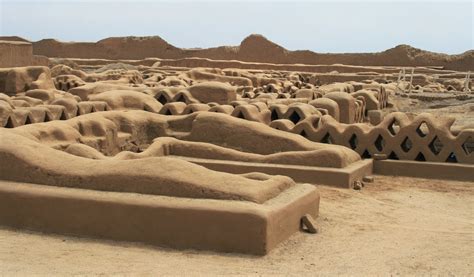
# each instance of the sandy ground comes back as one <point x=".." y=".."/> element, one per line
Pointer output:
<point x="395" y="226"/>
<point x="462" y="111"/>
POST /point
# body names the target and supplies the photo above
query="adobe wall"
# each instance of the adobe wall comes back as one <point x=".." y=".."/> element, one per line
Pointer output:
<point x="217" y="225"/>
<point x="15" y="53"/>
<point x="19" y="53"/>
<point x="254" y="48"/>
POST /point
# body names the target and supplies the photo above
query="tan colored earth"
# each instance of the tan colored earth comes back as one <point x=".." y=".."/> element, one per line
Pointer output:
<point x="138" y="115"/>
<point x="394" y="226"/>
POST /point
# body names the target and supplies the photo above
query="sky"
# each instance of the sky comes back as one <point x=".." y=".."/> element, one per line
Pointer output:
<point x="321" y="26"/>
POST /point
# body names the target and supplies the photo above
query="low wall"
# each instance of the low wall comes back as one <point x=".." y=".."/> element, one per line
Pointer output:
<point x="337" y="177"/>
<point x="182" y="223"/>
<point x="429" y="170"/>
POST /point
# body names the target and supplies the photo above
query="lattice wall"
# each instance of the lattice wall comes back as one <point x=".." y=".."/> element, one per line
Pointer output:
<point x="425" y="138"/>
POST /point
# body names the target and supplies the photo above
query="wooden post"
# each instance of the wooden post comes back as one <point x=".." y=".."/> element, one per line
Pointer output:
<point x="411" y="79"/>
<point x="466" y="82"/>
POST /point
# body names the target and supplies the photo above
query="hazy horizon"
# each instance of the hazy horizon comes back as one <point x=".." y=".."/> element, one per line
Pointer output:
<point x="335" y="27"/>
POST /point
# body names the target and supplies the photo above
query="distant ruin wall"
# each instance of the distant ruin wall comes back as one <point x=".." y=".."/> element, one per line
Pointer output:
<point x="17" y="53"/>
<point x="38" y="60"/>
<point x="316" y="68"/>
<point x="106" y="50"/>
<point x="252" y="49"/>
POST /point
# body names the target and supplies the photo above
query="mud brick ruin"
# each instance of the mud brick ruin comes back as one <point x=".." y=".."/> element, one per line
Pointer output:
<point x="219" y="149"/>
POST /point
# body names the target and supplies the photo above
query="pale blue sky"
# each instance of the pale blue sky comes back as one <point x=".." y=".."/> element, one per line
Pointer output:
<point x="335" y="26"/>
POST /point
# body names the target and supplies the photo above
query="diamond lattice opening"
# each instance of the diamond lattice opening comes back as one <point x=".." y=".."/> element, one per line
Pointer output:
<point x="452" y="158"/>
<point x="353" y="141"/>
<point x="406" y="145"/>
<point x="366" y="155"/>
<point x="379" y="143"/>
<point x="327" y="138"/>
<point x="9" y="123"/>
<point x="63" y="116"/>
<point x="47" y="118"/>
<point x="274" y="115"/>
<point x="436" y="146"/>
<point x="420" y="157"/>
<point x="468" y="145"/>
<point x="394" y="127"/>
<point x="294" y="117"/>
<point x="181" y="99"/>
<point x="423" y="130"/>
<point x="162" y="99"/>
<point x="393" y="156"/>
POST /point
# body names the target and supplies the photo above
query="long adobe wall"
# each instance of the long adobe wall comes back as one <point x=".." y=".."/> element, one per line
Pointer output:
<point x="254" y="48"/>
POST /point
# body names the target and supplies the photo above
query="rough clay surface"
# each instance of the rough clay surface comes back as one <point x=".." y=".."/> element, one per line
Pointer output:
<point x="397" y="226"/>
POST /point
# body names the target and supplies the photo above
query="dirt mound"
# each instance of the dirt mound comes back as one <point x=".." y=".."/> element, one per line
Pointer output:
<point x="259" y="48"/>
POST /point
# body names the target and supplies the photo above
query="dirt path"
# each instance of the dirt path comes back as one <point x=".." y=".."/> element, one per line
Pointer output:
<point x="395" y="226"/>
